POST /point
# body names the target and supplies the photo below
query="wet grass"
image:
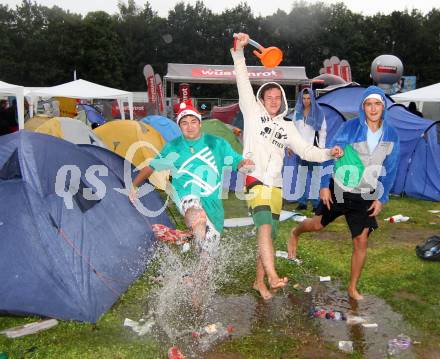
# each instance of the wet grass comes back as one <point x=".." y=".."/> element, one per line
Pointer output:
<point x="393" y="272"/>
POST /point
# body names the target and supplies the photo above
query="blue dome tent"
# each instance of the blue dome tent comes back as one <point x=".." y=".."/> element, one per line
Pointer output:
<point x="166" y="127"/>
<point x="70" y="242"/>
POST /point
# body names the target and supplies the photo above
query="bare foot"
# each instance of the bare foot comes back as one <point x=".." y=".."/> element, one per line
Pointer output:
<point x="353" y="293"/>
<point x="277" y="283"/>
<point x="292" y="244"/>
<point x="262" y="289"/>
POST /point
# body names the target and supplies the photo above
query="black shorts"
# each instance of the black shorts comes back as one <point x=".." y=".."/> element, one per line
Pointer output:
<point x="355" y="210"/>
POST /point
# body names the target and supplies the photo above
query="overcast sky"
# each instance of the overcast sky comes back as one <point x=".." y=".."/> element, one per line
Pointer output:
<point x="260" y="7"/>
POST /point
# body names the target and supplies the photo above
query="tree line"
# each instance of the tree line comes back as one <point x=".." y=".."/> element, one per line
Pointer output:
<point x="42" y="46"/>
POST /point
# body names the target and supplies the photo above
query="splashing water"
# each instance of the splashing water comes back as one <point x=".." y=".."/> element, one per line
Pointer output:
<point x="190" y="281"/>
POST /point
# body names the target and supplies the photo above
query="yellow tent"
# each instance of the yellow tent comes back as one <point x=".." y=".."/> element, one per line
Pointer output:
<point x="67" y="106"/>
<point x="66" y="128"/>
<point x="137" y="142"/>
<point x="33" y="123"/>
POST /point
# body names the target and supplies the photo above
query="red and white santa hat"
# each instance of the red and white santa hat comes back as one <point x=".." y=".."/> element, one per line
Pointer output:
<point x="186" y="109"/>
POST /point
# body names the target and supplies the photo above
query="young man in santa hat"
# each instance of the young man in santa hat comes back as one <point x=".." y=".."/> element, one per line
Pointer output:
<point x="266" y="136"/>
<point x="360" y="182"/>
<point x="196" y="161"/>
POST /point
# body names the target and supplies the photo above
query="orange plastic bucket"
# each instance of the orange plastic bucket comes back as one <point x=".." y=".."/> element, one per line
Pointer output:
<point x="270" y="57"/>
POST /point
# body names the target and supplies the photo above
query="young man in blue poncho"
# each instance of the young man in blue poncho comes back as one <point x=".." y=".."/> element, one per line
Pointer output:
<point x="309" y="120"/>
<point x="360" y="182"/>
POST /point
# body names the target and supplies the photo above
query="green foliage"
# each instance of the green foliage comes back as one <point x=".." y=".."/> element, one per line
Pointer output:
<point x="42" y="46"/>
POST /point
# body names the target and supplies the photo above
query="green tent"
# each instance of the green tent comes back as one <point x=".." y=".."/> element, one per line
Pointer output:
<point x="218" y="128"/>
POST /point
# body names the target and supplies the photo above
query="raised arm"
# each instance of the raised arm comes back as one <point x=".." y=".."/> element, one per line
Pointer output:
<point x="246" y="95"/>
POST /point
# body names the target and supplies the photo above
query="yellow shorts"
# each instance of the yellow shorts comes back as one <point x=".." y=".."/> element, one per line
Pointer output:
<point x="264" y="203"/>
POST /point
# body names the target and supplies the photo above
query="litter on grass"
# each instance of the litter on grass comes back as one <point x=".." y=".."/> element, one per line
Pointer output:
<point x="346" y="346"/>
<point x="30" y="328"/>
<point x="369" y="325"/>
<point x="397" y="218"/>
<point x="141" y="327"/>
<point x="283" y="254"/>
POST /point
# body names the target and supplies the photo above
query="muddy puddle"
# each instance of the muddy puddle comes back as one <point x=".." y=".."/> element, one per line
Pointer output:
<point x="370" y="323"/>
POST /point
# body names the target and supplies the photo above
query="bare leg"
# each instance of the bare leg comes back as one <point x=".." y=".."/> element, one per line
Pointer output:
<point x="360" y="244"/>
<point x="259" y="284"/>
<point x="196" y="220"/>
<point x="309" y="225"/>
<point x="266" y="254"/>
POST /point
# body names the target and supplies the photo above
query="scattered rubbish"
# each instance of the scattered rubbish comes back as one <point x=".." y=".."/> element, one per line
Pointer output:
<point x="308" y="290"/>
<point x="158" y="279"/>
<point x="212" y="334"/>
<point x="141" y="327"/>
<point x="346" y="346"/>
<point x="186" y="247"/>
<point x="324" y="279"/>
<point x="175" y="353"/>
<point x="283" y="254"/>
<point x="167" y="234"/>
<point x="430" y="249"/>
<point x="369" y="325"/>
<point x="396" y="218"/>
<point x="297" y="286"/>
<point x="398" y="345"/>
<point x="354" y="320"/>
<point x="434" y="211"/>
<point x="30" y="328"/>
<point x="299" y="218"/>
<point x="328" y="314"/>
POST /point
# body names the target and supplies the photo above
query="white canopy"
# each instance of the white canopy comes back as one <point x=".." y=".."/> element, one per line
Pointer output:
<point x="82" y="89"/>
<point x="18" y="92"/>
<point x="427" y="99"/>
<point x="424" y="94"/>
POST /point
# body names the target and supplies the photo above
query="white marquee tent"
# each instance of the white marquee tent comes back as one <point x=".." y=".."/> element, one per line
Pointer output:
<point x="18" y="92"/>
<point x="82" y="89"/>
<point x="427" y="99"/>
<point x="424" y="94"/>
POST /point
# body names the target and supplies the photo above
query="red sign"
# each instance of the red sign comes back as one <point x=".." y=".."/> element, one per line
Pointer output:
<point x="386" y="69"/>
<point x="218" y="73"/>
<point x="184" y="92"/>
<point x="151" y="89"/>
<point x="139" y="110"/>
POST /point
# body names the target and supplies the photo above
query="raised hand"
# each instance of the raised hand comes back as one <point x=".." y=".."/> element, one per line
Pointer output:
<point x="242" y="40"/>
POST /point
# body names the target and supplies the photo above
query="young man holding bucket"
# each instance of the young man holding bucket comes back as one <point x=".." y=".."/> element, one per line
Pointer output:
<point x="360" y="182"/>
<point x="266" y="136"/>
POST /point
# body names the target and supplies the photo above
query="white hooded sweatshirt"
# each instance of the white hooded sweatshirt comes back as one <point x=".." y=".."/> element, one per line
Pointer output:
<point x="264" y="138"/>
